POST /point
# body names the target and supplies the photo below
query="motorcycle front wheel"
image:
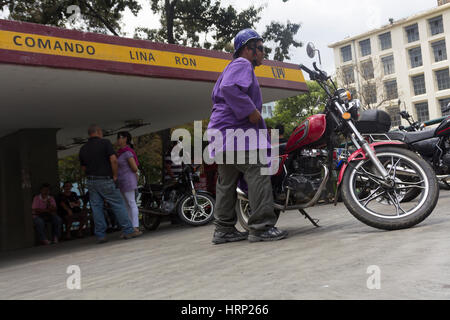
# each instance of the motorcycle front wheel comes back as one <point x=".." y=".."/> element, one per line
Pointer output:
<point x="203" y="214"/>
<point x="380" y="205"/>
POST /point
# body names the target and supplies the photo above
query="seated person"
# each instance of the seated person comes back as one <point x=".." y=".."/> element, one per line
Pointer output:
<point x="44" y="210"/>
<point x="69" y="209"/>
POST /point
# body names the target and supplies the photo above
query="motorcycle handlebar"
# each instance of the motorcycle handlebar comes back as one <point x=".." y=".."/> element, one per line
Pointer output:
<point x="315" y="67"/>
<point x="304" y="68"/>
<point x="314" y="75"/>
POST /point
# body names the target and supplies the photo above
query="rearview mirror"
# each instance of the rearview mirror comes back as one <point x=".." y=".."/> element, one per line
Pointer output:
<point x="311" y="50"/>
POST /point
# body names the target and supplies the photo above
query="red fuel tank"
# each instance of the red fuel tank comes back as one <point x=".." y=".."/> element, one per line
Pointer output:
<point x="307" y="133"/>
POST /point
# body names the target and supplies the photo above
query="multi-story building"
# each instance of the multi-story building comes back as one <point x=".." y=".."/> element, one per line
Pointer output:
<point x="406" y="60"/>
<point x="267" y="110"/>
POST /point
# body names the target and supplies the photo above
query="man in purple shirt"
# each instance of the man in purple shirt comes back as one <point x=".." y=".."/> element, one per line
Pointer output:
<point x="234" y="132"/>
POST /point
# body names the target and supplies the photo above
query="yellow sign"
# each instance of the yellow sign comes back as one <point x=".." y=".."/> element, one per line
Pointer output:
<point x="102" y="51"/>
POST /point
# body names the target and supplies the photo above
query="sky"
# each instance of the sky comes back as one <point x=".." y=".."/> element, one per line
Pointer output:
<point x="323" y="21"/>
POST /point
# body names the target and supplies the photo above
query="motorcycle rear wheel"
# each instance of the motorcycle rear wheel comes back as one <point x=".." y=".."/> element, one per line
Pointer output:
<point x="243" y="212"/>
<point x="386" y="210"/>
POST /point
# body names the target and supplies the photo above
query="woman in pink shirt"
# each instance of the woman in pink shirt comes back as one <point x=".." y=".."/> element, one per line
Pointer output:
<point x="44" y="210"/>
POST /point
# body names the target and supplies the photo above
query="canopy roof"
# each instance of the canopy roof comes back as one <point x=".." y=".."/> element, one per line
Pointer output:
<point x="66" y="79"/>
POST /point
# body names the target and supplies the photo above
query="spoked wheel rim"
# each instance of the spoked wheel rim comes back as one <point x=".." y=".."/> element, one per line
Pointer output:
<point x="384" y="201"/>
<point x="246" y="211"/>
<point x="202" y="213"/>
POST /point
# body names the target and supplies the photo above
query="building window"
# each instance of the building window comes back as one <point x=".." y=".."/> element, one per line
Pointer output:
<point x="366" y="50"/>
<point x="367" y="70"/>
<point x="415" y="56"/>
<point x="348" y="75"/>
<point x="395" y="117"/>
<point x="385" y="41"/>
<point x="370" y="94"/>
<point x="443" y="79"/>
<point x="391" y="89"/>
<point x="346" y="53"/>
<point x="422" y="112"/>
<point x="412" y="32"/>
<point x="419" y="85"/>
<point x="439" y="50"/>
<point x="436" y="25"/>
<point x="388" y="65"/>
<point x="444" y="103"/>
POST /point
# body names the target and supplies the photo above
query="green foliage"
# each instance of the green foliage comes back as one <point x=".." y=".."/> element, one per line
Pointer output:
<point x="292" y="111"/>
<point x="69" y="169"/>
<point x="149" y="151"/>
<point x="196" y="22"/>
<point x="96" y="15"/>
<point x="282" y="37"/>
<point x="186" y="21"/>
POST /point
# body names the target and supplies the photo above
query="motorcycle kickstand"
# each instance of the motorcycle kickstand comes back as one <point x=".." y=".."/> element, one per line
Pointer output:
<point x="307" y="216"/>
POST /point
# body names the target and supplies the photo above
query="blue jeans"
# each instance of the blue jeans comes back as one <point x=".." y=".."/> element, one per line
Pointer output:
<point x="105" y="189"/>
<point x="39" y="226"/>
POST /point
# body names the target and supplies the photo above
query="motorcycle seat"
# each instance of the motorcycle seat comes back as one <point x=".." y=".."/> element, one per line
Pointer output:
<point x="411" y="137"/>
<point x="396" y="135"/>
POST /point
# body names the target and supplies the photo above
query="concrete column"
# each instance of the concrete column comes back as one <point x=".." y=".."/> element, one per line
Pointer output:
<point x="28" y="158"/>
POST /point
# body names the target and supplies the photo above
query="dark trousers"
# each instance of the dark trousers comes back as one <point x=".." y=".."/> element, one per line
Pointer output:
<point x="260" y="196"/>
<point x="39" y="225"/>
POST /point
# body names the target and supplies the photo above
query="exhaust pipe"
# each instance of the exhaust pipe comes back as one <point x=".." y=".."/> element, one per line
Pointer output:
<point x="156" y="213"/>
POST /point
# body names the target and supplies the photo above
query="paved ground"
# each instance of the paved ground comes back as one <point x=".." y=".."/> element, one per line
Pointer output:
<point x="177" y="262"/>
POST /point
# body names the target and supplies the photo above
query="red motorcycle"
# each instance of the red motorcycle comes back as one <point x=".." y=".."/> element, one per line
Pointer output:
<point x="373" y="179"/>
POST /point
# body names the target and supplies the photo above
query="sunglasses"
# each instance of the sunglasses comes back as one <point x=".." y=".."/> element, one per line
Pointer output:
<point x="260" y="48"/>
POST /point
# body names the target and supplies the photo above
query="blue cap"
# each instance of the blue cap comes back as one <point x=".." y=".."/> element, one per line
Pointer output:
<point x="243" y="37"/>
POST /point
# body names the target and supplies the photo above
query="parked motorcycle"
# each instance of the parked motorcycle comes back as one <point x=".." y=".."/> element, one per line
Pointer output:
<point x="179" y="198"/>
<point x="373" y="180"/>
<point x="433" y="144"/>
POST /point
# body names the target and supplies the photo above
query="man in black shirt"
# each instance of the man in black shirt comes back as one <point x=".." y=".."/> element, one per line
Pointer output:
<point x="99" y="162"/>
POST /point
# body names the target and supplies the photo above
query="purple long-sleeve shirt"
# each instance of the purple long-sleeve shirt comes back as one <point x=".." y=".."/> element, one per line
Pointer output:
<point x="235" y="96"/>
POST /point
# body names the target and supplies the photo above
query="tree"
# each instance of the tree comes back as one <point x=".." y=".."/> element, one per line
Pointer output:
<point x="97" y="15"/>
<point x="292" y="111"/>
<point x="282" y="37"/>
<point x="202" y="23"/>
<point x="369" y="86"/>
<point x="69" y="169"/>
<point x="185" y="21"/>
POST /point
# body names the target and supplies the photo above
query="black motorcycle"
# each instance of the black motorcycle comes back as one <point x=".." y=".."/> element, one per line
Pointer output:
<point x="433" y="144"/>
<point x="177" y="198"/>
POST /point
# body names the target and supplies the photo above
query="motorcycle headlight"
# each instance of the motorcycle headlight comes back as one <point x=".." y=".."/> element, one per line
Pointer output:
<point x="345" y="96"/>
<point x="354" y="107"/>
